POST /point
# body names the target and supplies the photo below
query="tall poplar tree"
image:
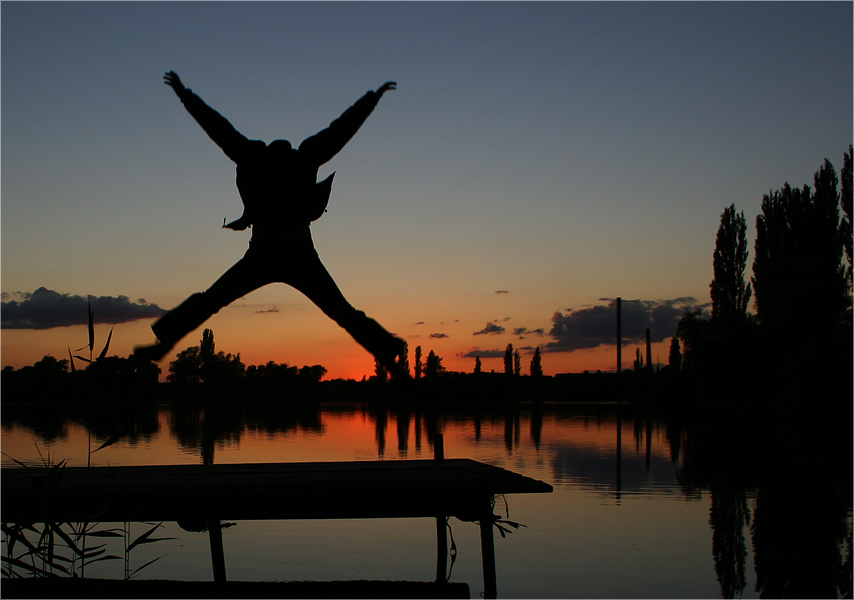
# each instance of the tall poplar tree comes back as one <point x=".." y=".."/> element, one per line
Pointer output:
<point x="845" y="228"/>
<point x="536" y="364"/>
<point x="730" y="294"/>
<point x="798" y="276"/>
<point x="800" y="279"/>
<point x="418" y="365"/>
<point x="508" y="359"/>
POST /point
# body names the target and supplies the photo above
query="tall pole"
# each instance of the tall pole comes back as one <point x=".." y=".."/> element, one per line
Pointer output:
<point x="619" y="335"/>
<point x="648" y="351"/>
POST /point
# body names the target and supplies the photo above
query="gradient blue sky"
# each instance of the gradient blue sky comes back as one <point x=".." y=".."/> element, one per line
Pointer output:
<point x="561" y="152"/>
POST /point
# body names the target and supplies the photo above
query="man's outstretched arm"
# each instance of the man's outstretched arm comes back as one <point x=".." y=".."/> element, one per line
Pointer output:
<point x="322" y="146"/>
<point x="223" y="133"/>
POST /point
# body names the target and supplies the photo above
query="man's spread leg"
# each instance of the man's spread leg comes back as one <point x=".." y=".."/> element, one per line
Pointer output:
<point x="239" y="280"/>
<point x="316" y="283"/>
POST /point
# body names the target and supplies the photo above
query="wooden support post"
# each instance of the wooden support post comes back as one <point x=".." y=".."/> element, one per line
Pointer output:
<point x="619" y="335"/>
<point x="441" y="525"/>
<point x="217" y="553"/>
<point x="648" y="352"/>
<point x="441" y="550"/>
<point x="619" y="453"/>
<point x="487" y="548"/>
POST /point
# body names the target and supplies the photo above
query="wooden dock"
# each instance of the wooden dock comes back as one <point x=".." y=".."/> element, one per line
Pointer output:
<point x="204" y="495"/>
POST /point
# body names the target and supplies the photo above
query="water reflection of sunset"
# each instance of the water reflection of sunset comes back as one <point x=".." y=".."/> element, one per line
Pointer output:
<point x="645" y="507"/>
<point x="568" y="447"/>
<point x="340" y="434"/>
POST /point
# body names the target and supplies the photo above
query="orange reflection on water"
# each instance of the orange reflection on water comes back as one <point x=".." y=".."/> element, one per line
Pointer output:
<point x="352" y="432"/>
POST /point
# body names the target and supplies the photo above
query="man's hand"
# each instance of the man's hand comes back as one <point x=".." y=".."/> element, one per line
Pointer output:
<point x="388" y="85"/>
<point x="172" y="80"/>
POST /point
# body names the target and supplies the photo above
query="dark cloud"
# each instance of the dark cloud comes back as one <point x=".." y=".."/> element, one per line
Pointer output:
<point x="522" y="331"/>
<point x="44" y="309"/>
<point x="597" y="325"/>
<point x="501" y="292"/>
<point x="269" y="310"/>
<point x="482" y="353"/>
<point x="420" y="323"/>
<point x="438" y="336"/>
<point x="490" y="328"/>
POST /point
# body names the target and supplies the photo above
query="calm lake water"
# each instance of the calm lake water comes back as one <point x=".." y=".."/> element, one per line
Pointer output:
<point x="642" y="507"/>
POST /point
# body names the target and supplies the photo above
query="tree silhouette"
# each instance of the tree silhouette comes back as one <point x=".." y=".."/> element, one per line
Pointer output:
<point x="675" y="357"/>
<point x="434" y="367"/>
<point x="508" y="359"/>
<point x="187" y="367"/>
<point x="730" y="294"/>
<point x="380" y="373"/>
<point x="536" y="364"/>
<point x="478" y="368"/>
<point x="404" y="358"/>
<point x="638" y="364"/>
<point x="798" y="251"/>
<point x="800" y="283"/>
<point x="271" y="374"/>
<point x="203" y="364"/>
<point x="845" y="200"/>
<point x="418" y="367"/>
<point x="312" y="374"/>
<point x="695" y="334"/>
<point x="517" y="364"/>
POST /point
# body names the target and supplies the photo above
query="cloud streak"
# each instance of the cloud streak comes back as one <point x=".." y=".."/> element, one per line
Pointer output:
<point x="45" y="309"/>
<point x="473" y="352"/>
<point x="491" y="328"/>
<point x="595" y="326"/>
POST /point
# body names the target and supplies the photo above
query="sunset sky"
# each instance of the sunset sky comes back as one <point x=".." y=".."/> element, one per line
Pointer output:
<point x="537" y="161"/>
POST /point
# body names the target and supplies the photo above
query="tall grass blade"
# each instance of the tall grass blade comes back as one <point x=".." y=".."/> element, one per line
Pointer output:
<point x="93" y="552"/>
<point x="113" y="439"/>
<point x="108" y="557"/>
<point x="67" y="539"/>
<point x="146" y="538"/>
<point x="138" y="569"/>
<point x="15" y="460"/>
<point x="71" y="358"/>
<point x="15" y="534"/>
<point x="31" y="568"/>
<point x="106" y="533"/>
<point x="107" y="345"/>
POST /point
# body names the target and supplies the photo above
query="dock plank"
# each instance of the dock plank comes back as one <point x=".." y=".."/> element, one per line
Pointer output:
<point x="57" y="587"/>
<point x="360" y="489"/>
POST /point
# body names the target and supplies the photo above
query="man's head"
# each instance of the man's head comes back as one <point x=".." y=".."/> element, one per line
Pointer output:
<point x="279" y="146"/>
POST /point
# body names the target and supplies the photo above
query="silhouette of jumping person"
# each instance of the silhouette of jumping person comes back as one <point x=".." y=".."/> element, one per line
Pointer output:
<point x="281" y="197"/>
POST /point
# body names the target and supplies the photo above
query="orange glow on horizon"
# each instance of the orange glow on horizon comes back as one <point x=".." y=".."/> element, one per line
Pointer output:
<point x="327" y="345"/>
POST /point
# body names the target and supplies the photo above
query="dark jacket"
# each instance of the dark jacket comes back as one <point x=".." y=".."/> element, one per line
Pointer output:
<point x="277" y="183"/>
